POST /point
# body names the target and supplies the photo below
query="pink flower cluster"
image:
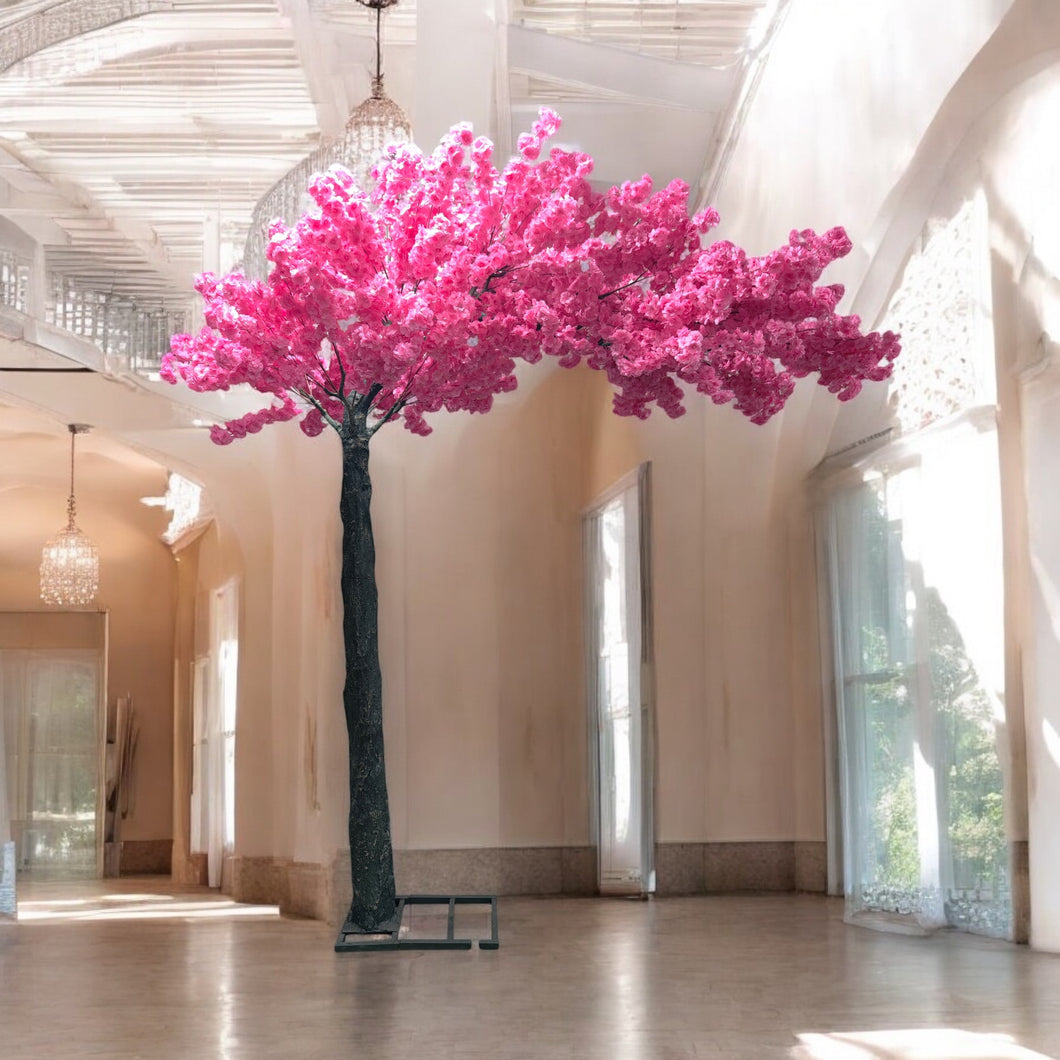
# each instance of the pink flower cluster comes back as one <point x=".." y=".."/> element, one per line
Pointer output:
<point x="422" y="294"/>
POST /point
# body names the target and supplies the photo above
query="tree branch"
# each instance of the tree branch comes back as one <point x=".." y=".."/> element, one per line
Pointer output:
<point x="365" y="403"/>
<point x="325" y="384"/>
<point x="342" y="372"/>
<point x="325" y="415"/>
<point x="499" y="274"/>
<point x="631" y="283"/>
<point x="391" y="413"/>
<point x="403" y="397"/>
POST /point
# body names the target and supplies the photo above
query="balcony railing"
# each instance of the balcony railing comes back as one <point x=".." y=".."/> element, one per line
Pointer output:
<point x="14" y="279"/>
<point x="132" y="334"/>
<point x="115" y="323"/>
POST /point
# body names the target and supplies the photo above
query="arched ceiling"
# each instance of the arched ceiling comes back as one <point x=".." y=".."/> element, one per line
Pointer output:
<point x="137" y="135"/>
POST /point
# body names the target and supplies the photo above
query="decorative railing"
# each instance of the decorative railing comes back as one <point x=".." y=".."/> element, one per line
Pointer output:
<point x="285" y="200"/>
<point x="113" y="322"/>
<point x="14" y="280"/>
<point x="63" y="21"/>
<point x="136" y="335"/>
<point x="375" y="124"/>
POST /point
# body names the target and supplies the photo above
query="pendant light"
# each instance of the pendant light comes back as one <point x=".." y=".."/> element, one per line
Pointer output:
<point x="69" y="565"/>
<point x="375" y="124"/>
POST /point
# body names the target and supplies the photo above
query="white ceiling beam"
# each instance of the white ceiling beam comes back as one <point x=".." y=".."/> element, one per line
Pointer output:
<point x="14" y="200"/>
<point x="617" y="70"/>
<point x="198" y="166"/>
<point x="140" y="236"/>
<point x="730" y="124"/>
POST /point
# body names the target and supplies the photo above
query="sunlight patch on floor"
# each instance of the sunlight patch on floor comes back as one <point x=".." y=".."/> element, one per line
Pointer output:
<point x="139" y="907"/>
<point x="923" y="1044"/>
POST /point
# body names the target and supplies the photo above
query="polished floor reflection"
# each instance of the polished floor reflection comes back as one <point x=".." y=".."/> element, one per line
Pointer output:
<point x="138" y="970"/>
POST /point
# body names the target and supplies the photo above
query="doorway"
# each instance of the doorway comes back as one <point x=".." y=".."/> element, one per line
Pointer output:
<point x="52" y="679"/>
<point x="618" y="619"/>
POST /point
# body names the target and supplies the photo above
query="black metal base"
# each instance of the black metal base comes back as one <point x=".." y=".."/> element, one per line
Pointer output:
<point x="352" y="939"/>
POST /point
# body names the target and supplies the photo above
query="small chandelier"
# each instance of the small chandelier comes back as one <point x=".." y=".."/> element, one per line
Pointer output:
<point x="69" y="565"/>
<point x="371" y="128"/>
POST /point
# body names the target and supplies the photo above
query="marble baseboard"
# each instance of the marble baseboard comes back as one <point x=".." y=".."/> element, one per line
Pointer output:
<point x="146" y="857"/>
<point x="496" y="870"/>
<point x="308" y="890"/>
<point x="255" y="880"/>
<point x="811" y="866"/>
<point x="489" y="870"/>
<point x="323" y="891"/>
<point x="189" y="870"/>
<point x="578" y="870"/>
<point x="299" y="888"/>
<point x="1021" y="891"/>
<point x="735" y="868"/>
<point x="680" y="868"/>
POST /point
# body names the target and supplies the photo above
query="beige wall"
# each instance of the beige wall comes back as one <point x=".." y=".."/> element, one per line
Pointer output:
<point x="478" y="542"/>
<point x="848" y="96"/>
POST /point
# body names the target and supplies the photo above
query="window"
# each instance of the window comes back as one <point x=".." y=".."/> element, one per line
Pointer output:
<point x="620" y="710"/>
<point x="916" y="595"/>
<point x="51" y="701"/>
<point x="214" y="688"/>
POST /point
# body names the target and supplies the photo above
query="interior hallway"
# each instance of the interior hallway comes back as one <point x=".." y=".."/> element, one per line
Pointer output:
<point x="131" y="968"/>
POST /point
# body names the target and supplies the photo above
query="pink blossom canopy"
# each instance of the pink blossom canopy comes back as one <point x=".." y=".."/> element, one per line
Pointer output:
<point x="424" y="293"/>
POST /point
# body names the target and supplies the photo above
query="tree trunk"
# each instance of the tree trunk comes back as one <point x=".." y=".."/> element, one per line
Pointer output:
<point x="371" y="851"/>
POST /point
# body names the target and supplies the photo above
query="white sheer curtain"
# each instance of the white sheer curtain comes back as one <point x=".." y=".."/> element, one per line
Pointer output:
<point x="214" y="722"/>
<point x="618" y="646"/>
<point x="917" y="598"/>
<point x="619" y="690"/>
<point x="51" y="722"/>
<point x="8" y="907"/>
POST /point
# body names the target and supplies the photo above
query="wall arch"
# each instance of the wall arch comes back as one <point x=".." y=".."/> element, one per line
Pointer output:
<point x="1025" y="46"/>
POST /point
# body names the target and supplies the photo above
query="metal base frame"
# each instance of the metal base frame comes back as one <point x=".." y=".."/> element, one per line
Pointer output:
<point x="352" y="940"/>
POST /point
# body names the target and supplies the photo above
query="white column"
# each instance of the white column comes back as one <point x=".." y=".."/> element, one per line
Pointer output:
<point x="456" y="43"/>
<point x="1041" y="441"/>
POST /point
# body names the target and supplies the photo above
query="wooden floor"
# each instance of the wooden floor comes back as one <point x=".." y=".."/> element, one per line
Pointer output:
<point x="138" y="970"/>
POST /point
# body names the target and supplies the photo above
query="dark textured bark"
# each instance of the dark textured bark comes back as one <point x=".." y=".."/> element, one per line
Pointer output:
<point x="371" y="850"/>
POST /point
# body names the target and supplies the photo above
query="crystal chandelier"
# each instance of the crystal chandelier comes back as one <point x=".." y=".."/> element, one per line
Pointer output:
<point x="371" y="128"/>
<point x="69" y="565"/>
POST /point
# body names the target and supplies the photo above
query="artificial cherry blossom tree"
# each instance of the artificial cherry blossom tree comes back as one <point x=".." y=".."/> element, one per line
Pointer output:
<point x="424" y="293"/>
